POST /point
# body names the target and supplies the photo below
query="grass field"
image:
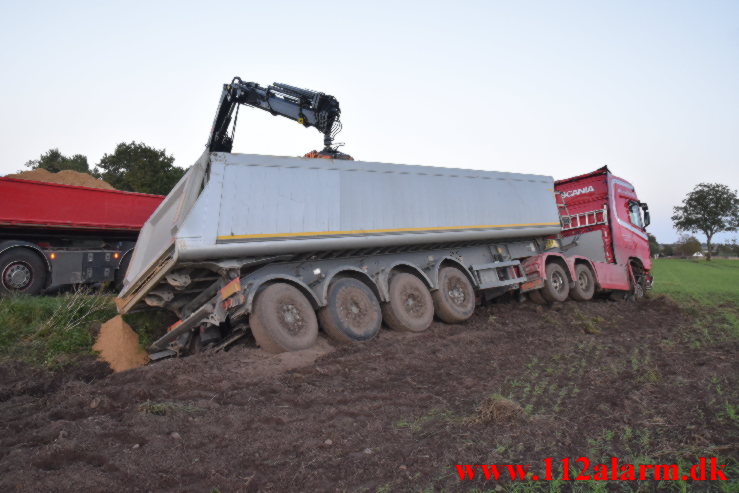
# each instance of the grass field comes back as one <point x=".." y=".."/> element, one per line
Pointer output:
<point x="711" y="282"/>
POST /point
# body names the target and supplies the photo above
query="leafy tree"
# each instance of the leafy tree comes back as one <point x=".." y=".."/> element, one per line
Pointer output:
<point x="654" y="248"/>
<point x="54" y="161"/>
<point x="710" y="208"/>
<point x="139" y="168"/>
<point x="667" y="250"/>
<point x="687" y="245"/>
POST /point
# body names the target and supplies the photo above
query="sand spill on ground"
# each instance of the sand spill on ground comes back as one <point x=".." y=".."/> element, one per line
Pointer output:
<point x="118" y="345"/>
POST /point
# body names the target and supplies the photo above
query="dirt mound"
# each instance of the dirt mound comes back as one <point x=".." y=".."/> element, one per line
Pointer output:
<point x="119" y="345"/>
<point x="65" y="177"/>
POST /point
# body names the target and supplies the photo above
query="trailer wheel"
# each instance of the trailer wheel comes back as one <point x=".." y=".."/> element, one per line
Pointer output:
<point x="556" y="287"/>
<point x="283" y="319"/>
<point x="353" y="312"/>
<point x="411" y="307"/>
<point x="21" y="271"/>
<point x="454" y="301"/>
<point x="584" y="284"/>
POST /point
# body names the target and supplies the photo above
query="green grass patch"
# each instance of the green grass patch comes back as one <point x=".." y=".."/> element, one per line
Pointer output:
<point x="707" y="290"/>
<point x="712" y="283"/>
<point x="167" y="408"/>
<point x="52" y="330"/>
<point x="150" y="324"/>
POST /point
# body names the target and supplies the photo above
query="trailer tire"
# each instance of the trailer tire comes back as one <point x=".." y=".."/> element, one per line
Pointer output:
<point x="584" y="288"/>
<point x="556" y="287"/>
<point x="411" y="308"/>
<point x="536" y="297"/>
<point x="21" y="271"/>
<point x="454" y="301"/>
<point x="353" y="312"/>
<point x="283" y="319"/>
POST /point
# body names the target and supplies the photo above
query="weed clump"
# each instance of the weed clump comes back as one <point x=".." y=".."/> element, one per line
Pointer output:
<point x="496" y="409"/>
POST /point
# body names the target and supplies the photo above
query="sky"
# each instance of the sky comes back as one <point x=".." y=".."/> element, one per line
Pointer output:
<point x="650" y="89"/>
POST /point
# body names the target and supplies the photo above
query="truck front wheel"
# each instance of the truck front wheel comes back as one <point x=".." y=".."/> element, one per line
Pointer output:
<point x="556" y="287"/>
<point x="21" y="271"/>
<point x="283" y="319"/>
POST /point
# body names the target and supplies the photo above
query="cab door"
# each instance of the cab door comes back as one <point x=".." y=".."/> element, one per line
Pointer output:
<point x="629" y="235"/>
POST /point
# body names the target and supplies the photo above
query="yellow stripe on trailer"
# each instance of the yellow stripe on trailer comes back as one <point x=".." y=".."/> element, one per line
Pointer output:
<point x="373" y="231"/>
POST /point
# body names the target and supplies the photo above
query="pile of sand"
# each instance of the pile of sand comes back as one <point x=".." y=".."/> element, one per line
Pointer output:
<point x="119" y="345"/>
<point x="66" y="177"/>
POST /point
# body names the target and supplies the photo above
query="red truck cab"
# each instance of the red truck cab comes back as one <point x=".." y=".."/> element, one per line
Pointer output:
<point x="603" y="245"/>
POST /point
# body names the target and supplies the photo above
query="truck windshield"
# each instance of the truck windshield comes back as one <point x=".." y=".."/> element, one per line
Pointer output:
<point x="635" y="215"/>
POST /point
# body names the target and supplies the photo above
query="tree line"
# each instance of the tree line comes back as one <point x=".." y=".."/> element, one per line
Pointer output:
<point x="132" y="166"/>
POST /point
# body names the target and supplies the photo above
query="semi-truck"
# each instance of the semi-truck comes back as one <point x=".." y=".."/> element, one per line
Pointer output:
<point x="54" y="235"/>
<point x="280" y="246"/>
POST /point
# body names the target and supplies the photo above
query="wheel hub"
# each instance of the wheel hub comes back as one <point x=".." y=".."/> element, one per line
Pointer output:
<point x="557" y="282"/>
<point x="292" y="318"/>
<point x="17" y="276"/>
<point x="457" y="295"/>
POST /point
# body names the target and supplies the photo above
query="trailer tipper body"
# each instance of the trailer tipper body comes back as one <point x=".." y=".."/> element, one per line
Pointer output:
<point x="276" y="246"/>
<point x="53" y="235"/>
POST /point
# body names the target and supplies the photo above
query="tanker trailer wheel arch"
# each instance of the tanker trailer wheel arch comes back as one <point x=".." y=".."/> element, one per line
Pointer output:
<point x="352" y="313"/>
<point x="584" y="287"/>
<point x="454" y="300"/>
<point x="410" y="307"/>
<point x="21" y="271"/>
<point x="282" y="319"/>
<point x="556" y="287"/>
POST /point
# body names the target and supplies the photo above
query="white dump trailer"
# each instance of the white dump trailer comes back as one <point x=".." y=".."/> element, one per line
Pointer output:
<point x="276" y="245"/>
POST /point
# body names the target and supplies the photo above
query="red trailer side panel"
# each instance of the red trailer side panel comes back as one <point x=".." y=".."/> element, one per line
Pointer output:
<point x="50" y="205"/>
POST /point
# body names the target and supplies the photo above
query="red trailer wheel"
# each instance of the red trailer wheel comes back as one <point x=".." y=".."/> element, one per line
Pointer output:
<point x="21" y="271"/>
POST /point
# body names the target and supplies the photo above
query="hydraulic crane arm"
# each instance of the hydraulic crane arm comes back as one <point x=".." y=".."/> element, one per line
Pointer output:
<point x="309" y="108"/>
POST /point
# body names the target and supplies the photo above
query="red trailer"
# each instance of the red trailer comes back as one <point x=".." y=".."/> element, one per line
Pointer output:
<point x="53" y="235"/>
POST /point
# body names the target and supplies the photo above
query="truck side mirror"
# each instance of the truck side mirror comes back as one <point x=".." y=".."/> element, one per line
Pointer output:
<point x="645" y="209"/>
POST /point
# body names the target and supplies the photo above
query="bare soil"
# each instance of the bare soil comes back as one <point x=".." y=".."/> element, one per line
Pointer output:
<point x="516" y="384"/>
